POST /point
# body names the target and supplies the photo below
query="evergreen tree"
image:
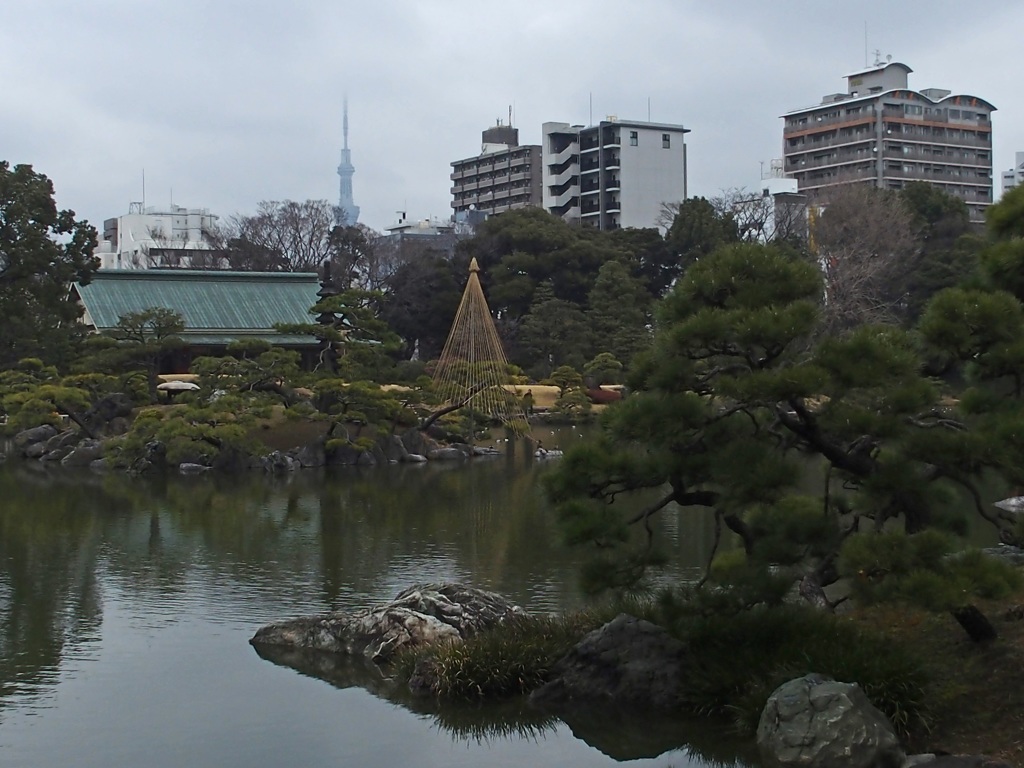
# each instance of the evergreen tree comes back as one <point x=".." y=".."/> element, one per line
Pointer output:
<point x="554" y="333"/>
<point x="42" y="252"/>
<point x="619" y="313"/>
<point x="738" y="391"/>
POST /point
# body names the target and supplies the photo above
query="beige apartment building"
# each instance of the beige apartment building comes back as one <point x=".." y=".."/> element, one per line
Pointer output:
<point x="503" y="176"/>
<point x="883" y="133"/>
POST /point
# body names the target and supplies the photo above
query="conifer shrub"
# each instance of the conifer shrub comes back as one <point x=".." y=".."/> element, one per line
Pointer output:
<point x="922" y="569"/>
<point x="738" y="660"/>
<point x="512" y="659"/>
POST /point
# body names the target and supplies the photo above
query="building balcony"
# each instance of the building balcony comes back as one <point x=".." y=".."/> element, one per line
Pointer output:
<point x="804" y="164"/>
<point x="937" y="176"/>
<point x="919" y="155"/>
<point x="814" y="125"/>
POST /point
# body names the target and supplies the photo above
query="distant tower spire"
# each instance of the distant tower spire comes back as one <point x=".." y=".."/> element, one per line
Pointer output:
<point x="347" y="212"/>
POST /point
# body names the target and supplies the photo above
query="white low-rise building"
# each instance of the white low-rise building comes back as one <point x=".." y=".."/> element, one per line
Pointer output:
<point x="1015" y="176"/>
<point x="159" y="237"/>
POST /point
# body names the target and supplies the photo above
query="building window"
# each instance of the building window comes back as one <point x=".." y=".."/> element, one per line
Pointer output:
<point x="634" y="138"/>
<point x="666" y="141"/>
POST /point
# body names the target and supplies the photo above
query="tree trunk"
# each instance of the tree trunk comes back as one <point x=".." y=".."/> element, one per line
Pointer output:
<point x="975" y="623"/>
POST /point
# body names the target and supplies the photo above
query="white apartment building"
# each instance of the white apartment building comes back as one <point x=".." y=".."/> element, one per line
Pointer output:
<point x="158" y="237"/>
<point x="1015" y="176"/>
<point x="615" y="174"/>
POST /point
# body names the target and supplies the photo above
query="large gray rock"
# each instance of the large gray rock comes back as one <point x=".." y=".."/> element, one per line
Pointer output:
<point x="816" y="722"/>
<point x="415" y="441"/>
<point x="84" y="454"/>
<point x="279" y="462"/>
<point x="394" y="449"/>
<point x="628" y="662"/>
<point x="446" y="454"/>
<point x="421" y="615"/>
<point x="35" y="435"/>
<point x="311" y="455"/>
<point x="65" y="440"/>
<point x="34" y="451"/>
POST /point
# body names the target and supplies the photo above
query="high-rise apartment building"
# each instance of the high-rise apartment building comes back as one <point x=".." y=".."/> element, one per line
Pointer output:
<point x="881" y="132"/>
<point x="615" y="174"/>
<point x="504" y="175"/>
<point x="1015" y="176"/>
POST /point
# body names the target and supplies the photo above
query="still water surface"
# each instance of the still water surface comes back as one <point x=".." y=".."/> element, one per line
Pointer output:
<point x="126" y="606"/>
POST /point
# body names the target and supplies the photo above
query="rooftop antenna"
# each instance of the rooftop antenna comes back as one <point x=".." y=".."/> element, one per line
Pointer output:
<point x="344" y="121"/>
<point x="509" y="115"/>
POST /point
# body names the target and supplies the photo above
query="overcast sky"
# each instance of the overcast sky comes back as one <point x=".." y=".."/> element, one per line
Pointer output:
<point x="224" y="103"/>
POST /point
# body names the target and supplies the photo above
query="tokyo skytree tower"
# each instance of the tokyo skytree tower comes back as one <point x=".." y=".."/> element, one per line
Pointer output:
<point x="347" y="212"/>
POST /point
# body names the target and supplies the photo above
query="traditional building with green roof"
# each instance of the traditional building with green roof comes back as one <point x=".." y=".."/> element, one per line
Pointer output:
<point x="218" y="308"/>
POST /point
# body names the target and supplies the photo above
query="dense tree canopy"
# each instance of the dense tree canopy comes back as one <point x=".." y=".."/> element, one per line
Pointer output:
<point x="42" y="251"/>
<point x="949" y="246"/>
<point x="740" y="388"/>
<point x="697" y="229"/>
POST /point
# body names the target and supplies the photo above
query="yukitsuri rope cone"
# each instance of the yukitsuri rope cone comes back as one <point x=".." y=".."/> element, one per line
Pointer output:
<point x="473" y="368"/>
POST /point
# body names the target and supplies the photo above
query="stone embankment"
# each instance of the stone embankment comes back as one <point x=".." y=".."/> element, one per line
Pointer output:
<point x="84" y="444"/>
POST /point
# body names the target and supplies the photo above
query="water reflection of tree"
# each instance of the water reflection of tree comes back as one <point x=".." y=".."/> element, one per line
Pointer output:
<point x="49" y="596"/>
<point x="478" y="518"/>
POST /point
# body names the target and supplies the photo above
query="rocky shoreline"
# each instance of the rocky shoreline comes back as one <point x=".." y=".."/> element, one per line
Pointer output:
<point x="85" y="444"/>
<point x="628" y="664"/>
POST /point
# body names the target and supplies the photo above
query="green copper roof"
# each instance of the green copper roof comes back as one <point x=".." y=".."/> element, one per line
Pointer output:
<point x="217" y="307"/>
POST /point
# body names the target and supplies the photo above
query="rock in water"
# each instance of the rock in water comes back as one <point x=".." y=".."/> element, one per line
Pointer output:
<point x="816" y="722"/>
<point x="628" y="662"/>
<point x="421" y="615"/>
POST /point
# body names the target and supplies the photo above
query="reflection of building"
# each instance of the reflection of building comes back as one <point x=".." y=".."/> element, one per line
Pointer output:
<point x="882" y="133"/>
<point x="615" y="174"/>
<point x="158" y="237"/>
<point x="503" y="176"/>
<point x="1015" y="176"/>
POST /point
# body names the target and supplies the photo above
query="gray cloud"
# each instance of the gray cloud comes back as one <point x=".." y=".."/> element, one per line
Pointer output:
<point x="229" y="103"/>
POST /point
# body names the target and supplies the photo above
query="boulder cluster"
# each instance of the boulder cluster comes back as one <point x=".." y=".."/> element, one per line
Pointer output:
<point x="629" y="663"/>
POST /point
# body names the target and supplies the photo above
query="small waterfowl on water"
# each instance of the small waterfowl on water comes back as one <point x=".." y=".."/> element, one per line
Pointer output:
<point x="544" y="453"/>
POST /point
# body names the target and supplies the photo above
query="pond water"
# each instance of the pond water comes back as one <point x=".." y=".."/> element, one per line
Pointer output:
<point x="126" y="606"/>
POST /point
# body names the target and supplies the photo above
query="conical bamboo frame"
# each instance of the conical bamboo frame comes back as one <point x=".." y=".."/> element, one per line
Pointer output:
<point x="473" y="367"/>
